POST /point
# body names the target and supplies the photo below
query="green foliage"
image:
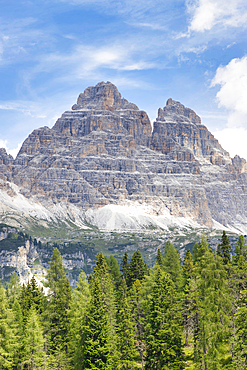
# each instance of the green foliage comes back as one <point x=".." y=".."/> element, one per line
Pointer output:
<point x="57" y="309"/>
<point x="34" y="354"/>
<point x="171" y="264"/>
<point x="241" y="334"/>
<point x="137" y="269"/>
<point x="126" y="342"/>
<point x="163" y="328"/>
<point x="224" y="249"/>
<point x="108" y="322"/>
<point x="240" y="249"/>
<point x="114" y="270"/>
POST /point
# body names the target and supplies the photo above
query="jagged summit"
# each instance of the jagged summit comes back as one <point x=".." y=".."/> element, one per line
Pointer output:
<point x="175" y="111"/>
<point x="101" y="108"/>
<point x="103" y="96"/>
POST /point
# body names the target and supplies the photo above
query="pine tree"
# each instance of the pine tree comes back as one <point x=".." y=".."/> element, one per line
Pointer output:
<point x="34" y="342"/>
<point x="127" y="348"/>
<point x="163" y="329"/>
<point x="159" y="258"/>
<point x="137" y="269"/>
<point x="224" y="249"/>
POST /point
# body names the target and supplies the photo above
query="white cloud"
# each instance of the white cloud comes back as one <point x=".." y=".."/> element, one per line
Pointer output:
<point x="13" y="152"/>
<point x="205" y="14"/>
<point x="233" y="140"/>
<point x="233" y="92"/>
<point x="3" y="143"/>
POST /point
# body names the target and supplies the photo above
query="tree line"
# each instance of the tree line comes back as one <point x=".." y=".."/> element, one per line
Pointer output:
<point x="190" y="315"/>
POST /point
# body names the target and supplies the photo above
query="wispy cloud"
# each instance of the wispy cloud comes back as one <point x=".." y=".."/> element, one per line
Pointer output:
<point x="205" y="14"/>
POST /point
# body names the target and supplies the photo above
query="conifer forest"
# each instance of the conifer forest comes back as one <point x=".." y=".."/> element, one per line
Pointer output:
<point x="189" y="314"/>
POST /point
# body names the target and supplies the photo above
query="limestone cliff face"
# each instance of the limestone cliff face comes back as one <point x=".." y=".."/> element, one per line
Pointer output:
<point x="6" y="162"/>
<point x="180" y="127"/>
<point x="224" y="179"/>
<point x="104" y="152"/>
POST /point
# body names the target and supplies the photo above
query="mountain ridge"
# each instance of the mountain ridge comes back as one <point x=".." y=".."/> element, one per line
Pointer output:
<point x="104" y="153"/>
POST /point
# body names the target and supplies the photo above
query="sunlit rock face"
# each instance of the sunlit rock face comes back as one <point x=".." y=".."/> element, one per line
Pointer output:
<point x="103" y="152"/>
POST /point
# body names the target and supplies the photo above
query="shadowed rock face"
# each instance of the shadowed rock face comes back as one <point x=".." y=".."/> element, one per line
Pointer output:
<point x="104" y="152"/>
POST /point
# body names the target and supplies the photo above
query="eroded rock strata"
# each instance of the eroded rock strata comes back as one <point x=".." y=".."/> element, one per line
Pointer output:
<point x="104" y="152"/>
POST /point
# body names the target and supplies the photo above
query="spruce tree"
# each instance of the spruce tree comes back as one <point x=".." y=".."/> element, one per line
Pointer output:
<point x="224" y="249"/>
<point x="163" y="329"/>
<point x="100" y="321"/>
<point x="137" y="269"/>
<point x="159" y="258"/>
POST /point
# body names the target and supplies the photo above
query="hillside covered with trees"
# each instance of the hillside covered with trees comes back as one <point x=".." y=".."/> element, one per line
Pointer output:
<point x="176" y="315"/>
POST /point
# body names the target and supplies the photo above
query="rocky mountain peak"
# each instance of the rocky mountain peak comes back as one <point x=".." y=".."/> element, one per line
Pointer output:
<point x="103" y="96"/>
<point x="175" y="111"/>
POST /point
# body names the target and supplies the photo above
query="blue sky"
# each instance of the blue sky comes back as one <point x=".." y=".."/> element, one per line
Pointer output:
<point x="194" y="51"/>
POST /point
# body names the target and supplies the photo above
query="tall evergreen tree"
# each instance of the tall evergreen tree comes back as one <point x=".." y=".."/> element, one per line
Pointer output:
<point x="163" y="329"/>
<point x="240" y="249"/>
<point x="159" y="258"/>
<point x="137" y="269"/>
<point x="214" y="309"/>
<point x="80" y="301"/>
<point x="224" y="249"/>
<point x="34" y="357"/>
<point x="187" y="301"/>
<point x="137" y="316"/>
<point x="240" y="351"/>
<point x="57" y="309"/>
<point x="99" y="334"/>
<point x="171" y="264"/>
<point x="124" y="266"/>
<point x="127" y="348"/>
<point x="114" y="270"/>
<point x="8" y="334"/>
<point x="96" y="333"/>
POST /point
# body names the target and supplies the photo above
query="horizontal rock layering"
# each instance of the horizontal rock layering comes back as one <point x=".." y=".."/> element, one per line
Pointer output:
<point x="104" y="152"/>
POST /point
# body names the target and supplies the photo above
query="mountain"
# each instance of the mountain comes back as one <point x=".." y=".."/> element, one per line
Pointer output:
<point x="102" y="164"/>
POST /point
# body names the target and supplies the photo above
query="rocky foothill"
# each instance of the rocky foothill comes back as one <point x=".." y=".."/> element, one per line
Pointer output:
<point x="104" y="152"/>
